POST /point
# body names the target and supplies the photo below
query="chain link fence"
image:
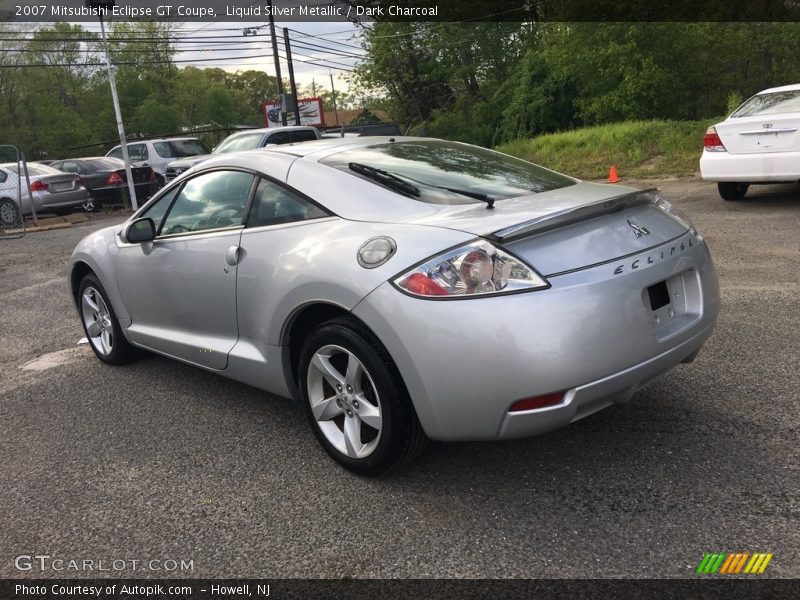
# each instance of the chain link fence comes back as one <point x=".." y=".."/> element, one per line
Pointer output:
<point x="12" y="223"/>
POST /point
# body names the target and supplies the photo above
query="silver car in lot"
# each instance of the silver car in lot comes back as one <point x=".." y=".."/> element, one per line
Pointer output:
<point x="52" y="191"/>
<point x="403" y="289"/>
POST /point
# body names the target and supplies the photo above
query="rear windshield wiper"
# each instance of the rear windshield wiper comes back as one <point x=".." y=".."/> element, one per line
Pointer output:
<point x="470" y="194"/>
<point x="388" y="179"/>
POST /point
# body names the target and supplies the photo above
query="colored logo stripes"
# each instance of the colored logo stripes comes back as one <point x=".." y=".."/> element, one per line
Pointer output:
<point x="733" y="563"/>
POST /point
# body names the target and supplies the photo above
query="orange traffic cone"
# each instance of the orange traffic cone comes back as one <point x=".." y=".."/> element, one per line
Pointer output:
<point x="613" y="177"/>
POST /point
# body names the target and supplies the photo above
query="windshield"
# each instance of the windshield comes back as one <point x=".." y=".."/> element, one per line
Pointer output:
<point x="239" y="141"/>
<point x="179" y="148"/>
<point x="769" y="104"/>
<point x="448" y="172"/>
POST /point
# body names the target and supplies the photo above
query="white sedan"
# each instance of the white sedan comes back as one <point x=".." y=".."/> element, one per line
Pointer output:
<point x="758" y="143"/>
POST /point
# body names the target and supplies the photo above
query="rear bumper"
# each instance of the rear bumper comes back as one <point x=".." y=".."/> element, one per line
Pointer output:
<point x="47" y="201"/>
<point x="592" y="335"/>
<point x="763" y="167"/>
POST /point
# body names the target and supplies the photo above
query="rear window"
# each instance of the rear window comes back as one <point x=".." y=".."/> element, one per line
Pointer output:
<point x="34" y="169"/>
<point x="237" y="142"/>
<point x="432" y="166"/>
<point x="769" y="104"/>
<point x="179" y="148"/>
<point x="104" y="164"/>
<point x="303" y="135"/>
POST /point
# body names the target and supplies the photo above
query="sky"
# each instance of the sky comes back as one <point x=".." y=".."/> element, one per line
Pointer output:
<point x="332" y="45"/>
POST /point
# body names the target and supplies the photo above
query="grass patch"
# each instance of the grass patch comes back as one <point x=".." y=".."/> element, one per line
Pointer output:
<point x="639" y="149"/>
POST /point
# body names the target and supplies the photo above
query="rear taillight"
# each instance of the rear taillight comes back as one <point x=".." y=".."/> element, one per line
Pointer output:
<point x="711" y="141"/>
<point x="38" y="186"/>
<point x="152" y="175"/>
<point x="115" y="179"/>
<point x="80" y="182"/>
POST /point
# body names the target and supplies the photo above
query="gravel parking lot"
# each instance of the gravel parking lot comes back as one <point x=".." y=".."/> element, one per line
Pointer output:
<point x="158" y="460"/>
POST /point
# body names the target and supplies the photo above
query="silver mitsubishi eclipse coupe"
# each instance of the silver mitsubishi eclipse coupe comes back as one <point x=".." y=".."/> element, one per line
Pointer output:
<point x="403" y="289"/>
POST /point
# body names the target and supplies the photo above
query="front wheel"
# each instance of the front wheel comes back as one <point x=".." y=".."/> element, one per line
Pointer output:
<point x="732" y="190"/>
<point x="355" y="400"/>
<point x="100" y="323"/>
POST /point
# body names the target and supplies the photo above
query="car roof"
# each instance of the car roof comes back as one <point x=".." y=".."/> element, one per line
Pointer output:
<point x="784" y="88"/>
<point x="271" y="129"/>
<point x="327" y="146"/>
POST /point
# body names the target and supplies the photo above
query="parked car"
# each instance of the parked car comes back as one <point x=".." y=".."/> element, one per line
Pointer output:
<point x="106" y="180"/>
<point x="53" y="191"/>
<point x="247" y="140"/>
<point x="158" y="153"/>
<point x="758" y="143"/>
<point x="403" y="289"/>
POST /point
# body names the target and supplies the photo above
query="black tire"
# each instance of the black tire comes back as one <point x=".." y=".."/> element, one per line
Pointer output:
<point x="121" y="350"/>
<point x="731" y="190"/>
<point x="10" y="216"/>
<point x="401" y="437"/>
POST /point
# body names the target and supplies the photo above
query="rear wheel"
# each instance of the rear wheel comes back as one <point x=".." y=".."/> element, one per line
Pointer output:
<point x="10" y="215"/>
<point x="100" y="323"/>
<point x="732" y="190"/>
<point x="90" y="204"/>
<point x="355" y="400"/>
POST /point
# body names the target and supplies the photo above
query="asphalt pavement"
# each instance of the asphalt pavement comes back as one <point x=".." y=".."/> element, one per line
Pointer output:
<point x="160" y="461"/>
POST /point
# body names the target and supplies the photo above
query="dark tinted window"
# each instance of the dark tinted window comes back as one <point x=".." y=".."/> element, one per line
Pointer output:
<point x="104" y="164"/>
<point x="3" y="176"/>
<point x="432" y="165"/>
<point x="274" y="204"/>
<point x="279" y="137"/>
<point x="179" y="148"/>
<point x="303" y="135"/>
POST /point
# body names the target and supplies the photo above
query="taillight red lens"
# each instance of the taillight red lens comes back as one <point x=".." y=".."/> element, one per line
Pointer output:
<point x="152" y="175"/>
<point x="38" y="186"/>
<point x="711" y="141"/>
<point x="115" y="179"/>
<point x="537" y="402"/>
<point x="421" y="284"/>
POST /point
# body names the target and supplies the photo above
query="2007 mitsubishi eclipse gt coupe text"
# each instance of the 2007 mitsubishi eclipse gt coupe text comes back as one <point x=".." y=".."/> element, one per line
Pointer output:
<point x="403" y="289"/>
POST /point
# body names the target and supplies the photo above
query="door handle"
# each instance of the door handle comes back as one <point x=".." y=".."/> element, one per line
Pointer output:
<point x="232" y="255"/>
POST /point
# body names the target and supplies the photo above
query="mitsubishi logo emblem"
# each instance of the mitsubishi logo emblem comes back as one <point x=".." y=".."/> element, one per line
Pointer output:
<point x="638" y="230"/>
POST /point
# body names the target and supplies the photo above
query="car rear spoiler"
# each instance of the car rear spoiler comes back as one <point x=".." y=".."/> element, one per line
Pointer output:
<point x="573" y="215"/>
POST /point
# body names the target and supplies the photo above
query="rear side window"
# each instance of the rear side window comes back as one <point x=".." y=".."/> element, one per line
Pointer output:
<point x="3" y="176"/>
<point x="304" y="135"/>
<point x="273" y="205"/>
<point x="138" y="152"/>
<point x="769" y="104"/>
<point x="116" y="153"/>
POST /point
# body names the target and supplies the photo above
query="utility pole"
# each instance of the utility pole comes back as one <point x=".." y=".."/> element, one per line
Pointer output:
<point x="103" y="6"/>
<point x="276" y="57"/>
<point x="292" y="84"/>
<point x="333" y="95"/>
<point x="313" y="87"/>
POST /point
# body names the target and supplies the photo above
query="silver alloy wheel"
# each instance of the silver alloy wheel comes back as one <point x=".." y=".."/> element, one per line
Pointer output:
<point x="344" y="401"/>
<point x="97" y="319"/>
<point x="88" y="204"/>
<point x="8" y="213"/>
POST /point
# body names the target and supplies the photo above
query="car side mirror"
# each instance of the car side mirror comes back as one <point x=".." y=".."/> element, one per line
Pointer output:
<point x="141" y="230"/>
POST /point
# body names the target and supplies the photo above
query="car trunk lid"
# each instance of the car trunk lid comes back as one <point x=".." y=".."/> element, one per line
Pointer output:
<point x="556" y="233"/>
<point x="59" y="183"/>
<point x="761" y="134"/>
